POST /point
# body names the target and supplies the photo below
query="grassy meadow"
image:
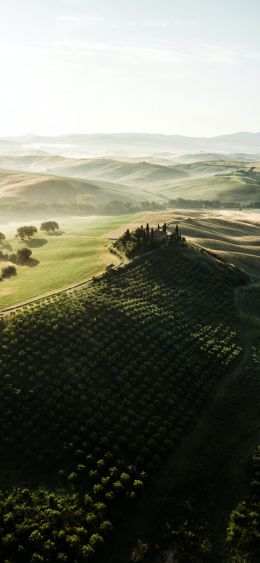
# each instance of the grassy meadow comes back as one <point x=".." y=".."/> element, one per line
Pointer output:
<point x="78" y="253"/>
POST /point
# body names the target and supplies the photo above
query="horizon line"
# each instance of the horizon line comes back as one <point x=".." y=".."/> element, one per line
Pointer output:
<point x="137" y="133"/>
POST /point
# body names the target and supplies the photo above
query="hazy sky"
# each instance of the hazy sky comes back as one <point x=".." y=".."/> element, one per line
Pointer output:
<point x="189" y="66"/>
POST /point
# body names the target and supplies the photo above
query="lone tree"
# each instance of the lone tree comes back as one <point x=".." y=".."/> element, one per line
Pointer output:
<point x="2" y="237"/>
<point x="49" y="226"/>
<point x="23" y="255"/>
<point x="26" y="232"/>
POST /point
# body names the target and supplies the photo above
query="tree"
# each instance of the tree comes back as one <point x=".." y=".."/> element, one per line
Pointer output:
<point x="26" y="232"/>
<point x="49" y="226"/>
<point x="2" y="237"/>
<point x="8" y="271"/>
<point x="23" y="255"/>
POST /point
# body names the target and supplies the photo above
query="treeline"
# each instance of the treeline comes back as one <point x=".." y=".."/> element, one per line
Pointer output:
<point x="181" y="203"/>
<point x="115" y="207"/>
<point x="11" y="210"/>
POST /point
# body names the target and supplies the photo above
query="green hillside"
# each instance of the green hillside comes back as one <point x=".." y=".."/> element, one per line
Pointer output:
<point x="43" y="189"/>
<point x="131" y="171"/>
<point x="74" y="254"/>
<point x="54" y="179"/>
<point x="230" y="187"/>
<point x="100" y="389"/>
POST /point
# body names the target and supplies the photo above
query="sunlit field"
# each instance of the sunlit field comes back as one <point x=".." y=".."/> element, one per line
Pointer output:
<point x="58" y="261"/>
<point x="235" y="235"/>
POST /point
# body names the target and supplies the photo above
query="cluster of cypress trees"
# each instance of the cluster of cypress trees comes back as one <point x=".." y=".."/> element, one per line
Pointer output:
<point x="147" y="238"/>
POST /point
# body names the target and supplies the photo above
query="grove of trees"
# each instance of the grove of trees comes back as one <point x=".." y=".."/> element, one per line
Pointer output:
<point x="145" y="239"/>
<point x="99" y="388"/>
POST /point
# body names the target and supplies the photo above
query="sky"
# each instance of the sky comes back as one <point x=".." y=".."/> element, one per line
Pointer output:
<point x="189" y="67"/>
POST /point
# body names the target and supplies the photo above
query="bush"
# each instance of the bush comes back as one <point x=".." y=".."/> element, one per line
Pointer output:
<point x="96" y="540"/>
<point x="3" y="256"/>
<point x="8" y="271"/>
<point x="23" y="255"/>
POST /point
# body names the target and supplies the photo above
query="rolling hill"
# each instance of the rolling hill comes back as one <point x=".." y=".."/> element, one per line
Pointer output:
<point x="105" y="387"/>
<point x="54" y="179"/>
<point x="36" y="189"/>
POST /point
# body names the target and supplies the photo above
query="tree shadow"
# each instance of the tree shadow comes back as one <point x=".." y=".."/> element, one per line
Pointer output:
<point x="55" y="233"/>
<point x="32" y="262"/>
<point x="6" y="246"/>
<point x="36" y="243"/>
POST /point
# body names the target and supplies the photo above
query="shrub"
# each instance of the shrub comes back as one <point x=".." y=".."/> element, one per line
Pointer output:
<point x="23" y="255"/>
<point x="8" y="271"/>
<point x="96" y="540"/>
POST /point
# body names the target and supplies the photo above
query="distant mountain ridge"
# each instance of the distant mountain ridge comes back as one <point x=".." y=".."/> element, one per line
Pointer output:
<point x="129" y="144"/>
